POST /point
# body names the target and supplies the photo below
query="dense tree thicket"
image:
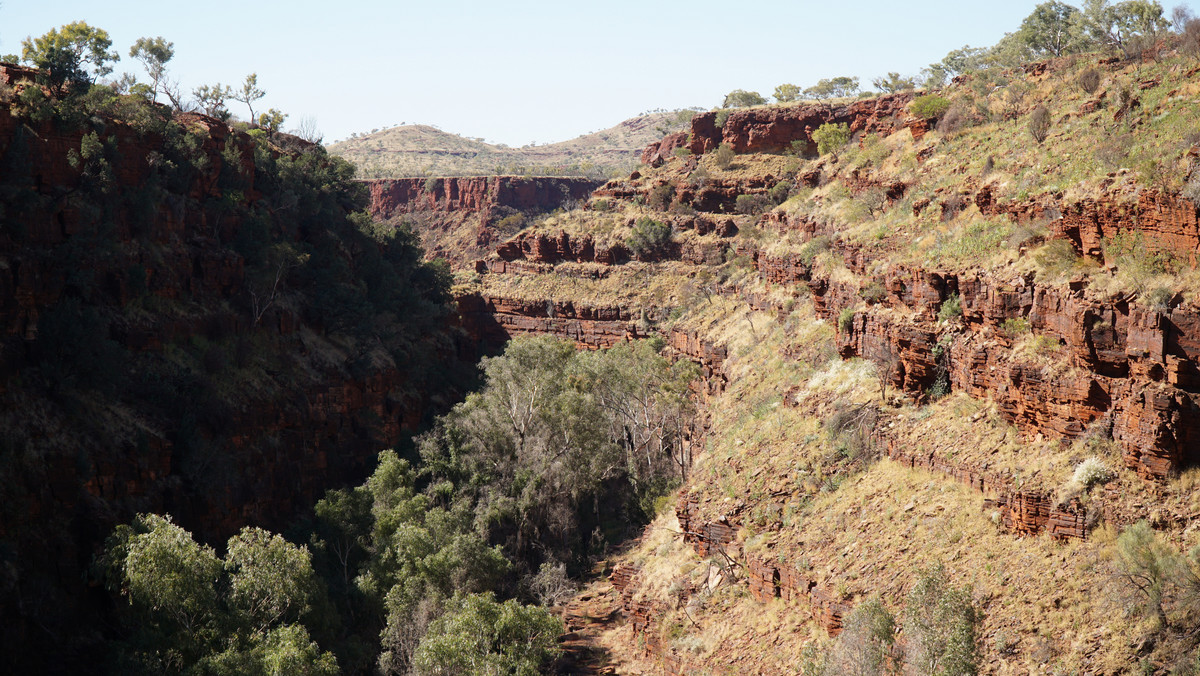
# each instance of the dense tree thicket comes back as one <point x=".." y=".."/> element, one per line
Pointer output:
<point x="428" y="567"/>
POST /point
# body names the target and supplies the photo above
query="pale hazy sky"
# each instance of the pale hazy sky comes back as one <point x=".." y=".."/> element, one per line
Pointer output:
<point x="523" y="71"/>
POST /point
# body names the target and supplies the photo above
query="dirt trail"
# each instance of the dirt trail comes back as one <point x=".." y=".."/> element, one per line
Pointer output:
<point x="586" y="617"/>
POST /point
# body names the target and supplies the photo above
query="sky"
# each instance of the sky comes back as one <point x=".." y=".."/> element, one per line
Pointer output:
<point x="520" y="72"/>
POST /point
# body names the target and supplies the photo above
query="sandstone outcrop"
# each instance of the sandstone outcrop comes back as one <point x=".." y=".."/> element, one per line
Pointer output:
<point x="457" y="216"/>
<point x="775" y="129"/>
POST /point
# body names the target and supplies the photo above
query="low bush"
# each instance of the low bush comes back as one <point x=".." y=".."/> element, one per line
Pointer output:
<point x="941" y="626"/>
<point x="951" y="308"/>
<point x="1039" y="123"/>
<point x="649" y="238"/>
<point x="929" y="106"/>
<point x="1159" y="298"/>
<point x="752" y="204"/>
<point x="830" y="137"/>
<point x="724" y="156"/>
<point x="1089" y="80"/>
<point x="813" y="248"/>
<point x="1016" y="326"/>
<point x="873" y="293"/>
<point x="1093" y="471"/>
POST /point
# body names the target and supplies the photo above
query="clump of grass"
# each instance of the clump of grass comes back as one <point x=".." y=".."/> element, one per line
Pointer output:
<point x="1016" y="326"/>
<point x="1093" y="471"/>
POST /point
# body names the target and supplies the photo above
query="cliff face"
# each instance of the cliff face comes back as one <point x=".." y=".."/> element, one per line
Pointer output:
<point x="775" y="129"/>
<point x="458" y="217"/>
<point x="165" y="346"/>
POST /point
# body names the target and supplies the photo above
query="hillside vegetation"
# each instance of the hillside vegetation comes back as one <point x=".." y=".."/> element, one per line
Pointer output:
<point x="421" y="150"/>
<point x="934" y="440"/>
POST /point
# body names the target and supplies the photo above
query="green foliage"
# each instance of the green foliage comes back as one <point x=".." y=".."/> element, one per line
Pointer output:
<point x="973" y="244"/>
<point x="929" y="106"/>
<point x="154" y="53"/>
<point x="813" y="248"/>
<point x="1143" y="563"/>
<point x="1016" y="326"/>
<point x="478" y="636"/>
<point x="951" y="308"/>
<point x="830" y="88"/>
<point x="941" y="625"/>
<point x="249" y="93"/>
<point x="873" y="293"/>
<point x="66" y="54"/>
<point x="720" y="117"/>
<point x="1129" y="251"/>
<point x="649" y="238"/>
<point x="740" y="98"/>
<point x="786" y="93"/>
<point x="893" y="82"/>
<point x="212" y="100"/>
<point x="724" y="156"/>
<point x="831" y="136"/>
<point x="865" y="645"/>
<point x="1159" y="298"/>
<point x="270" y="579"/>
<point x="164" y="571"/>
<point x="752" y="204"/>
<point x="1119" y="25"/>
<point x="659" y="197"/>
<point x="272" y="120"/>
<point x="1056" y="257"/>
<point x="1050" y="30"/>
<point x="846" y="320"/>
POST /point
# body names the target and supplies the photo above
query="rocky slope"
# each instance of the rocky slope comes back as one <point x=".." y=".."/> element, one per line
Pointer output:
<point x="463" y="218"/>
<point x="906" y="360"/>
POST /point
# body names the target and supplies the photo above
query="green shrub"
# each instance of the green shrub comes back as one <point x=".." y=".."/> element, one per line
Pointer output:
<point x="660" y="196"/>
<point x="1016" y="326"/>
<point x="724" y="156"/>
<point x="649" y="237"/>
<point x="431" y="184"/>
<point x="1142" y="564"/>
<point x="929" y="106"/>
<point x="951" y="308"/>
<point x="740" y="98"/>
<point x="813" y="248"/>
<point x="941" y="627"/>
<point x="721" y="116"/>
<point x="1056" y="257"/>
<point x="780" y="192"/>
<point x="682" y="152"/>
<point x="752" y="204"/>
<point x="873" y="293"/>
<point x="865" y="644"/>
<point x="478" y="636"/>
<point x="831" y="136"/>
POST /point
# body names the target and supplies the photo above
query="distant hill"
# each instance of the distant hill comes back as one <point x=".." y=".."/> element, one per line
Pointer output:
<point x="421" y="150"/>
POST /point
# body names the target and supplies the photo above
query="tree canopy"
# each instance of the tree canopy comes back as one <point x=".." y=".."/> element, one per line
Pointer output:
<point x="74" y="53"/>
